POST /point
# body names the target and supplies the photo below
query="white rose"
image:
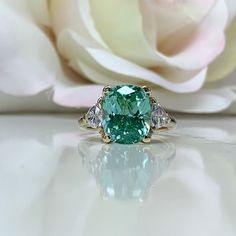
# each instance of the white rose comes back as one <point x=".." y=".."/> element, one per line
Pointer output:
<point x="170" y="45"/>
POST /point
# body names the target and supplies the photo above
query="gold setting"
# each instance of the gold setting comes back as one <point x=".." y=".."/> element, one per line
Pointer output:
<point x="147" y="139"/>
<point x="99" y="102"/>
<point x="147" y="90"/>
<point x="105" y="138"/>
<point x="153" y="100"/>
<point x="106" y="90"/>
<point x="82" y="121"/>
<point x="170" y="123"/>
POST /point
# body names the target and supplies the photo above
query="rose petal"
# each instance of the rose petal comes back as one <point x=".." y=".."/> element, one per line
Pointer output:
<point x="180" y="19"/>
<point x="130" y="43"/>
<point x="112" y="69"/>
<point x="126" y="68"/>
<point x="77" y="97"/>
<point x="124" y="20"/>
<point x="28" y="61"/>
<point x="75" y="15"/>
<point x="40" y="11"/>
<point x="231" y="5"/>
<point x="84" y="10"/>
<point x="207" y="42"/>
<point x="20" y="7"/>
<point x="204" y="101"/>
<point x="226" y="62"/>
<point x="36" y="10"/>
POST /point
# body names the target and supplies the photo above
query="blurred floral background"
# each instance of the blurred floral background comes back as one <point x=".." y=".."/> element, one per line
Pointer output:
<point x="58" y="54"/>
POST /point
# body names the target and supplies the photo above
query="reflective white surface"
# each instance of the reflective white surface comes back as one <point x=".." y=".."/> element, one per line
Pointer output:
<point x="57" y="180"/>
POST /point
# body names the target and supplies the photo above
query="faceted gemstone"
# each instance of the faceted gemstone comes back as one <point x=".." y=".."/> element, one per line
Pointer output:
<point x="94" y="117"/>
<point x="126" y="114"/>
<point x="159" y="116"/>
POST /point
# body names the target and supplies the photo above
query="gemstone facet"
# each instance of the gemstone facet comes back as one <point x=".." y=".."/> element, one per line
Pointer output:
<point x="94" y="117"/>
<point x="159" y="117"/>
<point x="126" y="114"/>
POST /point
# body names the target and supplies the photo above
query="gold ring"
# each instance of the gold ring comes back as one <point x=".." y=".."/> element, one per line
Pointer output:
<point x="127" y="114"/>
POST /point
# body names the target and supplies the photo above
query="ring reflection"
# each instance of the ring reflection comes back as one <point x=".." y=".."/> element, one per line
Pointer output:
<point x="126" y="172"/>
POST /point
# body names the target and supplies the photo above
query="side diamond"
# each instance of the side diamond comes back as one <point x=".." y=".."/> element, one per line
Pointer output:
<point x="94" y="117"/>
<point x="159" y="116"/>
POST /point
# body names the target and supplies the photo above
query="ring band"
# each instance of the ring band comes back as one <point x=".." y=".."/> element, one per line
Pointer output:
<point x="127" y="114"/>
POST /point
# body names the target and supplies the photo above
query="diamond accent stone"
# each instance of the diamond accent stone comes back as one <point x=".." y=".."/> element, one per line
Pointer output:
<point x="159" y="116"/>
<point x="94" y="117"/>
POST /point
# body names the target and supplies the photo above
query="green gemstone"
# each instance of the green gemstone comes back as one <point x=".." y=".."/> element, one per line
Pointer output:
<point x="126" y="114"/>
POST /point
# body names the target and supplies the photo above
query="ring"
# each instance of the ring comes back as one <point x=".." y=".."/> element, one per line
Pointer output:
<point x="127" y="114"/>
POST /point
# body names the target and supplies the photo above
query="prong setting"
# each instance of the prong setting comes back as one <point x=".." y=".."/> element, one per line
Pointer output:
<point x="147" y="139"/>
<point x="105" y="137"/>
<point x="106" y="90"/>
<point x="153" y="100"/>
<point x="99" y="102"/>
<point x="146" y="90"/>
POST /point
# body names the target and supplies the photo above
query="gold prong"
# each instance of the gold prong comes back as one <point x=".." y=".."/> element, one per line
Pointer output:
<point x="100" y="130"/>
<point x="147" y="90"/>
<point x="99" y="101"/>
<point x="147" y="139"/>
<point x="106" y="138"/>
<point x="153" y="100"/>
<point x="106" y="89"/>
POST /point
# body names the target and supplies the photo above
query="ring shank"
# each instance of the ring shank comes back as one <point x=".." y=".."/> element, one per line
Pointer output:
<point x="82" y="121"/>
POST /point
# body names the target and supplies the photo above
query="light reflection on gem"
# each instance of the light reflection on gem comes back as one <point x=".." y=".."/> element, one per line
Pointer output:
<point x="126" y="172"/>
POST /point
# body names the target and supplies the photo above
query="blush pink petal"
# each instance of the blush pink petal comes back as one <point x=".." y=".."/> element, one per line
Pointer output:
<point x="121" y="66"/>
<point x="104" y="67"/>
<point x="207" y="43"/>
<point x="226" y="62"/>
<point x="77" y="97"/>
<point x="204" y="101"/>
<point x="171" y="22"/>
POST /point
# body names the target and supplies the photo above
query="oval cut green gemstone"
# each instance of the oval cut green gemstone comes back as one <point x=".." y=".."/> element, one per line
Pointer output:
<point x="126" y="114"/>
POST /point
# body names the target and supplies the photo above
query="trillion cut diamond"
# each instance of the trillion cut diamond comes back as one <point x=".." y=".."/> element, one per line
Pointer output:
<point x="94" y="117"/>
<point x="159" y="116"/>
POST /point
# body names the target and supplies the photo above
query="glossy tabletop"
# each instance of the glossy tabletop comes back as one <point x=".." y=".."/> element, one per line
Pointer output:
<point x="59" y="180"/>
